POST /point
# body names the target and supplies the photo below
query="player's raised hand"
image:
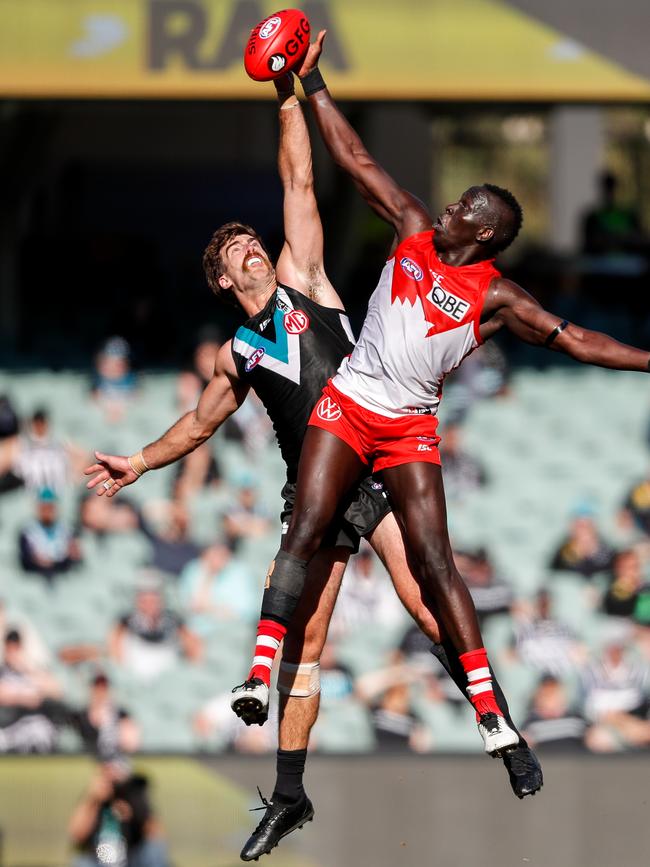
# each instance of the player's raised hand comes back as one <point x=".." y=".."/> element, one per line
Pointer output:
<point x="313" y="55"/>
<point x="113" y="472"/>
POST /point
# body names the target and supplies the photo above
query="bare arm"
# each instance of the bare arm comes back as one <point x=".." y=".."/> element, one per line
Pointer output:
<point x="221" y="397"/>
<point x="301" y="261"/>
<point x="508" y="305"/>
<point x="391" y="202"/>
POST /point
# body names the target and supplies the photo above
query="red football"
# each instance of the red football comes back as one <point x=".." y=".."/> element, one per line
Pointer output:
<point x="277" y="44"/>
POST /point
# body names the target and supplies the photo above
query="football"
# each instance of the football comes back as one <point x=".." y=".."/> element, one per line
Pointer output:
<point x="277" y="44"/>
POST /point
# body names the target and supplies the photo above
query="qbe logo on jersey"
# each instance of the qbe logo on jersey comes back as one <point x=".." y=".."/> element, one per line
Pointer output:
<point x="448" y="303"/>
<point x="328" y="410"/>
<point x="296" y="322"/>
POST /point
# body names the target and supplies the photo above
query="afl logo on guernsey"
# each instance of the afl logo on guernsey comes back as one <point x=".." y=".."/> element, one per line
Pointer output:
<point x="254" y="360"/>
<point x="296" y="322"/>
<point x="411" y="269"/>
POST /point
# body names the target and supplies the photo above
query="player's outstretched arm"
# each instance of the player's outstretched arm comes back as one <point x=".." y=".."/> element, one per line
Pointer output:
<point x="300" y="264"/>
<point x="508" y="305"/>
<point x="221" y="397"/>
<point x="391" y="202"/>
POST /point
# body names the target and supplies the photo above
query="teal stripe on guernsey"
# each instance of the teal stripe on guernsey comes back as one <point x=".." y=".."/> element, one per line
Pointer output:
<point x="278" y="349"/>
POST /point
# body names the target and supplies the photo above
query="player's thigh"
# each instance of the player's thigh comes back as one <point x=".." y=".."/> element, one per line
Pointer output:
<point x="308" y="631"/>
<point x="388" y="542"/>
<point x="328" y="468"/>
<point x="418" y="498"/>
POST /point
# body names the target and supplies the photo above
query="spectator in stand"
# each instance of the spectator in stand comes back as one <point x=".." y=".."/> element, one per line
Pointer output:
<point x="491" y="594"/>
<point x="611" y="228"/>
<point x="151" y="639"/>
<point x="583" y="550"/>
<point x="100" y="516"/>
<point x="30" y="706"/>
<point x="214" y="588"/>
<point x="616" y="695"/>
<point x="387" y="693"/>
<point x="544" y="643"/>
<point x="114" y="384"/>
<point x="41" y="461"/>
<point x="35" y="652"/>
<point x="246" y="518"/>
<point x="462" y="473"/>
<point x="114" y="822"/>
<point x="46" y="544"/>
<point x="106" y="728"/>
<point x="551" y="723"/>
<point x="172" y="547"/>
<point x="627" y="590"/>
<point x="367" y="598"/>
<point x="636" y="509"/>
<point x="200" y="467"/>
<point x="483" y="374"/>
<point x="9" y="427"/>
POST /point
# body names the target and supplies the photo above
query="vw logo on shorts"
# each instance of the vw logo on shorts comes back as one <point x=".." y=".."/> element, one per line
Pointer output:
<point x="411" y="268"/>
<point x="328" y="410"/>
<point x="255" y="359"/>
<point x="296" y="322"/>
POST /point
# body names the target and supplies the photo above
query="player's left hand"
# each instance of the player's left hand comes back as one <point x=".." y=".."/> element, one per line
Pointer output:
<point x="312" y="57"/>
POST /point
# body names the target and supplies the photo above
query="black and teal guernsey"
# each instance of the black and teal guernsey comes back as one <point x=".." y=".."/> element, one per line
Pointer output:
<point x="286" y="353"/>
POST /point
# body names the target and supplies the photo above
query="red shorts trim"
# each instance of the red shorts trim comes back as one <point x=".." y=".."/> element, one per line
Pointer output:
<point x="379" y="441"/>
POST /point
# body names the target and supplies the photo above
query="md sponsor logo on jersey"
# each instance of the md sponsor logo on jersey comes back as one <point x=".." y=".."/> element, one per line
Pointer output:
<point x="448" y="303"/>
<point x="411" y="268"/>
<point x="328" y="410"/>
<point x="254" y="359"/>
<point x="270" y="27"/>
<point x="296" y="322"/>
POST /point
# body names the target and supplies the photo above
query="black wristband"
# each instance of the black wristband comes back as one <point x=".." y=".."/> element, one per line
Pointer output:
<point x="557" y="330"/>
<point x="313" y="82"/>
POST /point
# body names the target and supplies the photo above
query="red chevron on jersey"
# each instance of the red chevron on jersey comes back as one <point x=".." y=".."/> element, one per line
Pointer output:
<point x="423" y="319"/>
<point x="448" y="300"/>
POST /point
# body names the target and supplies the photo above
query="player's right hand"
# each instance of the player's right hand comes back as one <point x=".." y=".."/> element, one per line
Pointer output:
<point x="312" y="57"/>
<point x="113" y="472"/>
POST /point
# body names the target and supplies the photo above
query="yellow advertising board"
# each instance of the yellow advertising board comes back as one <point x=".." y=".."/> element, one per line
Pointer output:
<point x="407" y="49"/>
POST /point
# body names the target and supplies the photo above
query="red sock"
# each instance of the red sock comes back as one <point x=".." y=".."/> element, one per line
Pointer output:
<point x="269" y="636"/>
<point x="479" y="679"/>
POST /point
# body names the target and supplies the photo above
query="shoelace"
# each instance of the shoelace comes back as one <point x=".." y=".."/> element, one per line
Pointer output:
<point x="490" y="721"/>
<point x="265" y="804"/>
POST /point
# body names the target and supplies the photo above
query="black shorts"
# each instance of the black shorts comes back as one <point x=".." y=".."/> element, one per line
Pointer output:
<point x="361" y="511"/>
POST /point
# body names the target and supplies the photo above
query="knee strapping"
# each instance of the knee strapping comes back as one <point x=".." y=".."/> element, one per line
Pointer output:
<point x="301" y="680"/>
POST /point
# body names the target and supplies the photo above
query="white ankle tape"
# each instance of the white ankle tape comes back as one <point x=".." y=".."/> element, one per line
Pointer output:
<point x="300" y="680"/>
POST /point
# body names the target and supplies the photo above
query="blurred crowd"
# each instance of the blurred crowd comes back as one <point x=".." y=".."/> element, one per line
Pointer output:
<point x="181" y="626"/>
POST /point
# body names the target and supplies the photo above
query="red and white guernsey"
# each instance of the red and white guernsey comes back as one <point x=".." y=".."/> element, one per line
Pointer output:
<point x="423" y="319"/>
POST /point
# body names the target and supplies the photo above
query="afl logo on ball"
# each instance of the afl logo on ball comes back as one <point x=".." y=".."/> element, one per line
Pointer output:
<point x="411" y="269"/>
<point x="296" y="322"/>
<point x="277" y="62"/>
<point x="270" y="27"/>
<point x="254" y="360"/>
<point x="328" y="410"/>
